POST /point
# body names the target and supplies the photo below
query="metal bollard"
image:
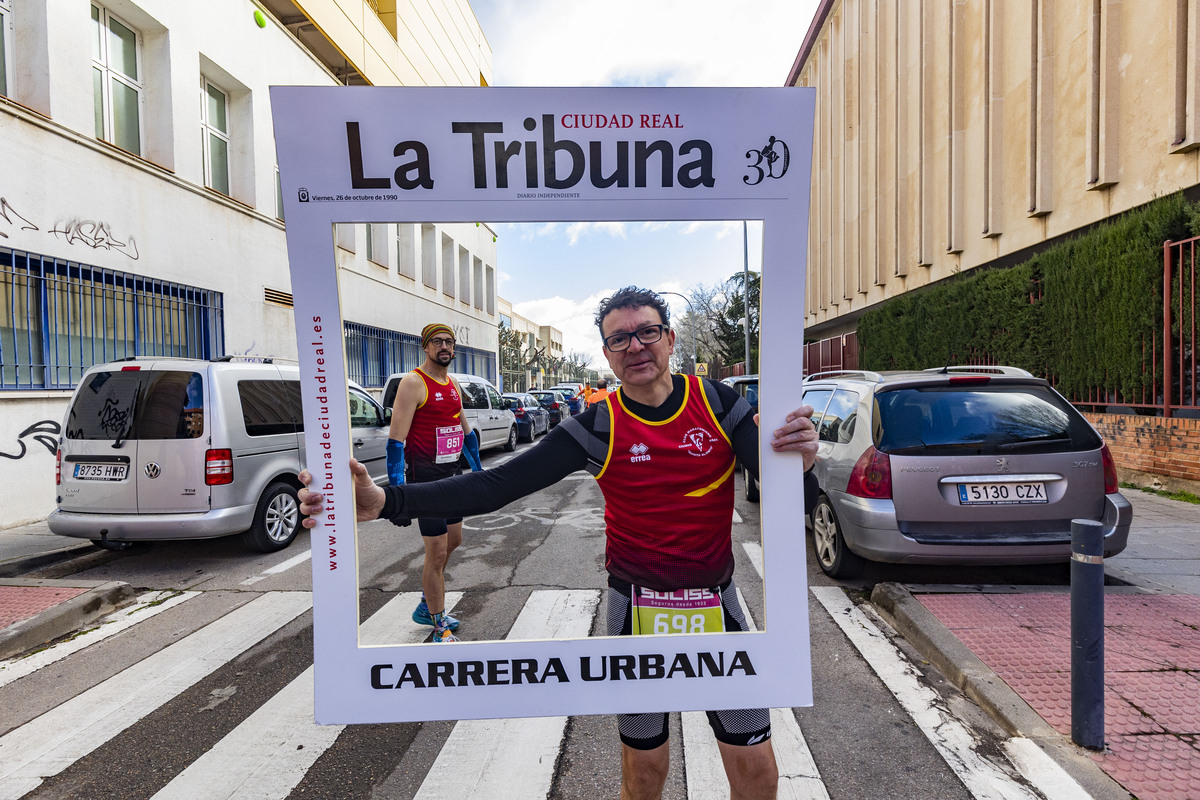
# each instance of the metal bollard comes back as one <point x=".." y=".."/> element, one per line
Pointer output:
<point x="1087" y="633"/>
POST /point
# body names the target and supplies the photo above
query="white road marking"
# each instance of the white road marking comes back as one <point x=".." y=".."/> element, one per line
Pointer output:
<point x="984" y="779"/>
<point x="498" y="759"/>
<point x="146" y="606"/>
<point x="278" y="568"/>
<point x="52" y="742"/>
<point x="269" y="753"/>
<point x="799" y="778"/>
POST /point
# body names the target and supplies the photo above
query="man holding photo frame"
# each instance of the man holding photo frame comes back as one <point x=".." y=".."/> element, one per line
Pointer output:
<point x="663" y="449"/>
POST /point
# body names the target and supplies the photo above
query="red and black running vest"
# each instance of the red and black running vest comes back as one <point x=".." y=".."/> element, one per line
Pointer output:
<point x="442" y="409"/>
<point x="668" y="496"/>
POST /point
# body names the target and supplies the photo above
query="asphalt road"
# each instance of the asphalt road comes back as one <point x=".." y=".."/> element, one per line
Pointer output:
<point x="863" y="740"/>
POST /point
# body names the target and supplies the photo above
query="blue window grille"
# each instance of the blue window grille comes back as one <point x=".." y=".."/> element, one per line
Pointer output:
<point x="372" y="354"/>
<point x="57" y="318"/>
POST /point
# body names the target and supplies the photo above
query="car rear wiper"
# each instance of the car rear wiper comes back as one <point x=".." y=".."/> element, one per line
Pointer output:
<point x="1031" y="443"/>
<point x="120" y="440"/>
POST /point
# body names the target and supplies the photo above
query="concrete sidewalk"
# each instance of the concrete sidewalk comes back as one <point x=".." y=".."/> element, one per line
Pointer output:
<point x="1008" y="648"/>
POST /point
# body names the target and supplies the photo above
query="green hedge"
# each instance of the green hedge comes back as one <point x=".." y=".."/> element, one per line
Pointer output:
<point x="1079" y="313"/>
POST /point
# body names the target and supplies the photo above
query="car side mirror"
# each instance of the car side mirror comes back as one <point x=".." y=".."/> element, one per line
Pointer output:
<point x="387" y="415"/>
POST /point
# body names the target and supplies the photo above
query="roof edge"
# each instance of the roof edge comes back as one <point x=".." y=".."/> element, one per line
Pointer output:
<point x="810" y="39"/>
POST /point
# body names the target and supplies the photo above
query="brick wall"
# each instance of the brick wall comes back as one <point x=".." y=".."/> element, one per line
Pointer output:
<point x="1168" y="449"/>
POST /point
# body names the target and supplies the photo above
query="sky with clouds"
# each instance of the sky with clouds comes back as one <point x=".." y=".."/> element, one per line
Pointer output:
<point x="556" y="273"/>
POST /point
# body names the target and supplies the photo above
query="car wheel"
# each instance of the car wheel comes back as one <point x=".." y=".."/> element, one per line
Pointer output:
<point x="751" y="486"/>
<point x="511" y="444"/>
<point x="276" y="520"/>
<point x="532" y="435"/>
<point x="829" y="546"/>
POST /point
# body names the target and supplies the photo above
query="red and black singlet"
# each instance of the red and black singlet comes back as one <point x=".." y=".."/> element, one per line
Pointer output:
<point x="668" y="495"/>
<point x="436" y="424"/>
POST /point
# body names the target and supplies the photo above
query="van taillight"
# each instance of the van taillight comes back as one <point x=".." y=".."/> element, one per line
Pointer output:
<point x="872" y="476"/>
<point x="58" y="467"/>
<point x="218" y="467"/>
<point x="1110" y="470"/>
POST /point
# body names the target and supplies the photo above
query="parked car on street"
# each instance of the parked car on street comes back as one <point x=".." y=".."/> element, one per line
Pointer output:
<point x="747" y="387"/>
<point x="485" y="409"/>
<point x="574" y="393"/>
<point x="958" y="465"/>
<point x="554" y="402"/>
<point x="532" y="419"/>
<point x="173" y="448"/>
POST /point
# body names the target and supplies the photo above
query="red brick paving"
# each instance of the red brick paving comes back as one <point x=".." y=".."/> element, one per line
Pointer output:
<point x="1152" y="675"/>
<point x="19" y="603"/>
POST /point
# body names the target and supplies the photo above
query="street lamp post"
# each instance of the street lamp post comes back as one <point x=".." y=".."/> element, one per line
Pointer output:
<point x="692" y="311"/>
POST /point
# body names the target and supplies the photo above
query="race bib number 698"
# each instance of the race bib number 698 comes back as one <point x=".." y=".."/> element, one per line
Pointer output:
<point x="680" y="611"/>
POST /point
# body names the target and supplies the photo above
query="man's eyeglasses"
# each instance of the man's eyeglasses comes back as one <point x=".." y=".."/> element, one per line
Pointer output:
<point x="647" y="335"/>
<point x="442" y="343"/>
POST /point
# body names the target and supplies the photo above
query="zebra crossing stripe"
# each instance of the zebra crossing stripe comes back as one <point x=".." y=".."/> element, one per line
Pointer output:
<point x="267" y="755"/>
<point x="146" y="606"/>
<point x="798" y="774"/>
<point x="498" y="759"/>
<point x="982" y="778"/>
<point x="55" y="740"/>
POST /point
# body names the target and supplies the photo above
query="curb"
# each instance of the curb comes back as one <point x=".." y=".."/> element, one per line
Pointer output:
<point x="979" y="682"/>
<point x="15" y="567"/>
<point x="101" y="598"/>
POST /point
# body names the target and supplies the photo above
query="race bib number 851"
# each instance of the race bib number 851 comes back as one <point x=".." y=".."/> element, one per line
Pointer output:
<point x="680" y="611"/>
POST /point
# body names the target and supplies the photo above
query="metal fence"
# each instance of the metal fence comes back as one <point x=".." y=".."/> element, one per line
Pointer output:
<point x="57" y="318"/>
<point x="1169" y="367"/>
<point x="1179" y="328"/>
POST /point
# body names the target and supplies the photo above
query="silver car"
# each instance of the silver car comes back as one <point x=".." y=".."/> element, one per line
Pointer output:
<point x="960" y="465"/>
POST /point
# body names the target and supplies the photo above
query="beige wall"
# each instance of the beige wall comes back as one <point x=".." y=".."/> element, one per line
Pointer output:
<point x="951" y="133"/>
<point x="406" y="43"/>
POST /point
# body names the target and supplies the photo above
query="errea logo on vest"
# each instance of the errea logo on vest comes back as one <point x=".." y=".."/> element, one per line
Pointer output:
<point x="639" y="452"/>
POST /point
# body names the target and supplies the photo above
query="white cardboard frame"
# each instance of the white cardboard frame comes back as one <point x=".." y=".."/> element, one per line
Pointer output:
<point x="737" y="154"/>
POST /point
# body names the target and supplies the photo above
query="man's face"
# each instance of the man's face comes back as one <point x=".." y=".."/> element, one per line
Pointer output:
<point x="440" y="349"/>
<point x="641" y="364"/>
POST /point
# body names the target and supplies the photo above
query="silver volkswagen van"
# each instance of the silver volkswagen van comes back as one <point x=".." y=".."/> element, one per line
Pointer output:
<point x="171" y="448"/>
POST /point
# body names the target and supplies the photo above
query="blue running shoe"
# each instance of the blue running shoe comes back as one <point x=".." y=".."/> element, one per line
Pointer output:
<point x="421" y="616"/>
<point x="441" y="635"/>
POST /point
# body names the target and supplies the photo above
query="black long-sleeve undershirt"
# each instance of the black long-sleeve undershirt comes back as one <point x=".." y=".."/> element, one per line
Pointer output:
<point x="552" y="459"/>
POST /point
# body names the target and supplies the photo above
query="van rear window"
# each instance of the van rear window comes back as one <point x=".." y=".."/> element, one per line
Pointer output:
<point x="138" y="404"/>
<point x="271" y="407"/>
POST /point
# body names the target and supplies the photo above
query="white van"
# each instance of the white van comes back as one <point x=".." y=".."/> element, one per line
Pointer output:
<point x="173" y="448"/>
<point x="485" y="409"/>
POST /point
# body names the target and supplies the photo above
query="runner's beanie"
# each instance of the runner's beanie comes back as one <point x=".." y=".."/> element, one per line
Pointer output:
<point x="433" y="329"/>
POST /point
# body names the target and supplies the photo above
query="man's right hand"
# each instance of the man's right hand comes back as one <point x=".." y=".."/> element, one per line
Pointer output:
<point x="368" y="498"/>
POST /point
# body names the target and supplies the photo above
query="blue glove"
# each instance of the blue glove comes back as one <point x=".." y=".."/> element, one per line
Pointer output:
<point x="471" y="451"/>
<point x="395" y="462"/>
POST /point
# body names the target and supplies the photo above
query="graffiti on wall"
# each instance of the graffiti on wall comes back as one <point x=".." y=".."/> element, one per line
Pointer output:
<point x="89" y="233"/>
<point x="44" y="432"/>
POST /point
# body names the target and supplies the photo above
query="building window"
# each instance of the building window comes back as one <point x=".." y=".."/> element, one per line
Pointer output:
<point x="447" y="266"/>
<point x="372" y="354"/>
<point x="464" y="276"/>
<point x="477" y="270"/>
<point x="214" y="127"/>
<point x="377" y="243"/>
<point x="406" y="250"/>
<point x="57" y="318"/>
<point x="6" y="38"/>
<point x="278" y="195"/>
<point x="117" y="81"/>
